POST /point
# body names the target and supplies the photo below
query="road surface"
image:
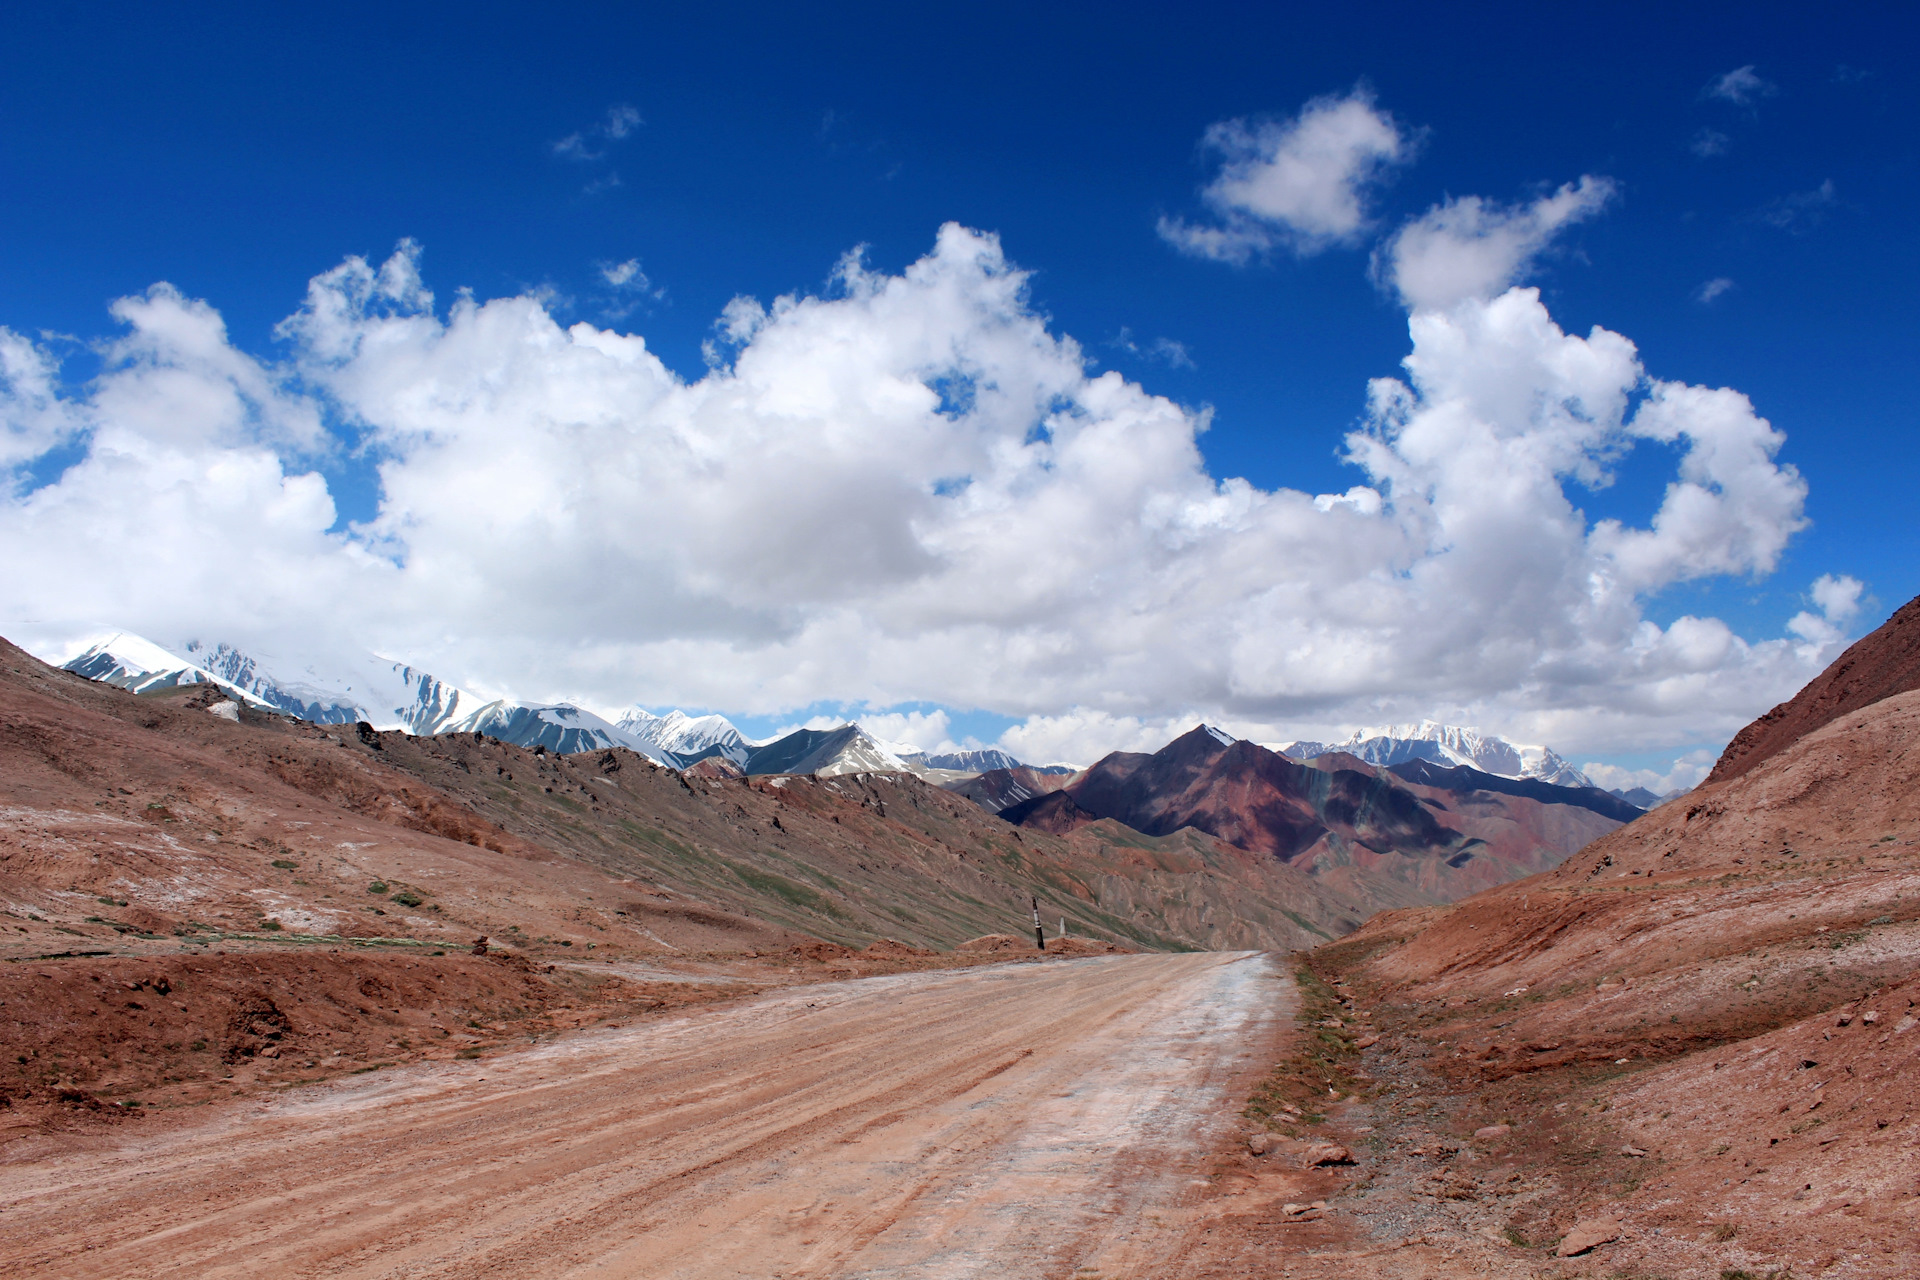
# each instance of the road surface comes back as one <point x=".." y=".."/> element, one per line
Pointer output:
<point x="1017" y="1121"/>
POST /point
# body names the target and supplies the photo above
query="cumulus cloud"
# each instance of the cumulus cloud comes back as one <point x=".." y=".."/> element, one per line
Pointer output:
<point x="1302" y="183"/>
<point x="929" y="731"/>
<point x="1742" y="86"/>
<point x="1473" y="248"/>
<point x="1683" y="774"/>
<point x="912" y="491"/>
<point x="33" y="416"/>
<point x="1838" y="599"/>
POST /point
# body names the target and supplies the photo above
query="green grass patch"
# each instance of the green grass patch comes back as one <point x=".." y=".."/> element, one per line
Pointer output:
<point x="791" y="891"/>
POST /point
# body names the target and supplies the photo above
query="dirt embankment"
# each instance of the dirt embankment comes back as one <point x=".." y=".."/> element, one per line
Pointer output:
<point x="103" y="1038"/>
<point x="1689" y="1050"/>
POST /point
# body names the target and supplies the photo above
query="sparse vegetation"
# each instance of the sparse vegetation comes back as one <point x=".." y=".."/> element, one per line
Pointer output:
<point x="1320" y="1067"/>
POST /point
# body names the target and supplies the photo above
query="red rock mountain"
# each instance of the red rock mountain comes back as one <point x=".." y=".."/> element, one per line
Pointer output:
<point x="996" y="789"/>
<point x="1380" y="832"/>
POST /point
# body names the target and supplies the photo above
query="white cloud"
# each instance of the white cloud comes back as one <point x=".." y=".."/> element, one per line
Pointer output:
<point x="1473" y="248"/>
<point x="909" y="492"/>
<point x="1712" y="289"/>
<point x="591" y="143"/>
<point x="1301" y="183"/>
<point x="929" y="731"/>
<point x="33" y="417"/>
<point x="1742" y="86"/>
<point x="625" y="275"/>
<point x="1838" y="600"/>
<point x="1801" y="211"/>
<point x="1082" y="735"/>
<point x="1837" y="597"/>
<point x="1165" y="350"/>
<point x="1710" y="142"/>
<point x="1685" y="773"/>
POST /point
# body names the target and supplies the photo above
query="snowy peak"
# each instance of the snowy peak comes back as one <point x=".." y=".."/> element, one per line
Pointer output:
<point x="825" y="753"/>
<point x="384" y="693"/>
<point x="981" y="761"/>
<point x="559" y="727"/>
<point x="380" y="691"/>
<point x="688" y="737"/>
<point x="135" y="663"/>
<point x="1448" y="745"/>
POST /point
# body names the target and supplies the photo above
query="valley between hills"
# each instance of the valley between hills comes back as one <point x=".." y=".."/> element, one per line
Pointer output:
<point x="1322" y="1016"/>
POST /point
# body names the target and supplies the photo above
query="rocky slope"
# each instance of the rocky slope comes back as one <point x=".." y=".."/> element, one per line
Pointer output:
<point x="1879" y="665"/>
<point x="996" y="789"/>
<point x="1703" y="1026"/>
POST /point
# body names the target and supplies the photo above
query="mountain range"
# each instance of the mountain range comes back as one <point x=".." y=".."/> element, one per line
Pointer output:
<point x="1402" y="832"/>
<point x="391" y="695"/>
<point x="1446" y="745"/>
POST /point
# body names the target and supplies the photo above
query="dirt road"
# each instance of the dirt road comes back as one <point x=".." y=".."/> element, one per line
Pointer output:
<point x="1026" y="1120"/>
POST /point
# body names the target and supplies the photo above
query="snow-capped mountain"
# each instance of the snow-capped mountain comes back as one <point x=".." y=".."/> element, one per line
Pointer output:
<point x="824" y="753"/>
<point x="1448" y="745"/>
<point x="688" y="737"/>
<point x="559" y="727"/>
<point x="380" y="691"/>
<point x="394" y="695"/>
<point x="384" y="693"/>
<point x="128" y="661"/>
<point x="962" y="761"/>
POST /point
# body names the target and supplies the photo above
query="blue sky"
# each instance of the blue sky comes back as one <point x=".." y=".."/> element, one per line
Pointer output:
<point x="236" y="153"/>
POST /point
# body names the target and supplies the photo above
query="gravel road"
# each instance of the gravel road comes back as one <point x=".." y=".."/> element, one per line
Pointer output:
<point x="1031" y="1120"/>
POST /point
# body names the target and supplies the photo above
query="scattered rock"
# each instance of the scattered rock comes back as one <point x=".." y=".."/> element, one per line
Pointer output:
<point x="1257" y="1144"/>
<point x="1324" y="1153"/>
<point x="1632" y="1151"/>
<point x="1870" y="1017"/>
<point x="1587" y="1235"/>
<point x="1493" y="1131"/>
<point x="1366" y="1042"/>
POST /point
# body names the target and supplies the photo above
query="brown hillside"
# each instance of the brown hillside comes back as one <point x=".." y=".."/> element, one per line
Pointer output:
<point x="1702" y="1026"/>
<point x="1877" y="666"/>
